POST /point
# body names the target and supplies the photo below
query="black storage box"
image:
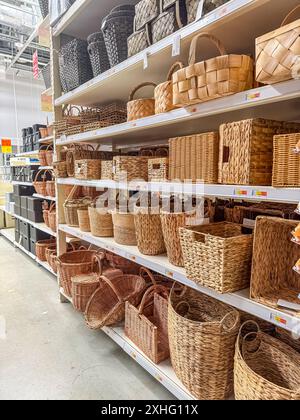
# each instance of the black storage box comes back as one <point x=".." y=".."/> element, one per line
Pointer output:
<point x="24" y="213"/>
<point x="27" y="190"/>
<point x="17" y="225"/>
<point x="25" y="228"/>
<point x="17" y="210"/>
<point x="38" y="235"/>
<point x="26" y="243"/>
<point x="34" y="204"/>
<point x="17" y="199"/>
<point x="32" y="247"/>
<point x="24" y="202"/>
<point x="36" y="217"/>
<point x="17" y="236"/>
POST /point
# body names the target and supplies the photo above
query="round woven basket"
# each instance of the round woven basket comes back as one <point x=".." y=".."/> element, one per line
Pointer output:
<point x="52" y="217"/>
<point x="83" y="220"/>
<point x="41" y="247"/>
<point x="40" y="182"/>
<point x="83" y="286"/>
<point x="124" y="228"/>
<point x="202" y="334"/>
<point x="42" y="156"/>
<point x="163" y="93"/>
<point x="60" y="169"/>
<point x="140" y="108"/>
<point x="71" y="207"/>
<point x="50" y="186"/>
<point x="49" y="251"/>
<point x="101" y="223"/>
<point x="49" y="155"/>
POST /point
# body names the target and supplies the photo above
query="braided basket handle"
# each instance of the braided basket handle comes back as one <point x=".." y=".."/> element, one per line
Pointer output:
<point x="176" y="66"/>
<point x="131" y="96"/>
<point x="162" y="150"/>
<point x="99" y="260"/>
<point x="149" y="295"/>
<point x="52" y="207"/>
<point x="212" y="38"/>
<point x="289" y="15"/>
<point x="144" y="271"/>
<point x="111" y="285"/>
<point x="43" y="177"/>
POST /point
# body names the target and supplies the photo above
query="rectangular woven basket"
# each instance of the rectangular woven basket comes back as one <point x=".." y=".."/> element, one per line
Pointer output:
<point x="217" y="256"/>
<point x="286" y="165"/>
<point x="133" y="167"/>
<point x="274" y="257"/>
<point x="195" y="157"/>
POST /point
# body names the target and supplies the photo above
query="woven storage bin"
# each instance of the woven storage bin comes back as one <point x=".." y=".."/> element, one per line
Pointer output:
<point x="114" y="113"/>
<point x="195" y="158"/>
<point x="40" y="181"/>
<point x="101" y="222"/>
<point x="208" y="6"/>
<point x="107" y="169"/>
<point x="41" y="247"/>
<point x="107" y="305"/>
<point x="73" y="264"/>
<point x="52" y="217"/>
<point x="246" y="150"/>
<point x="130" y="168"/>
<point x="145" y="12"/>
<point x="171" y="18"/>
<point x="42" y="155"/>
<point x="138" y="41"/>
<point x="60" y="169"/>
<point x="124" y="228"/>
<point x="202" y="335"/>
<point x="163" y="93"/>
<point x="277" y="53"/>
<point x="72" y="205"/>
<point x="149" y="235"/>
<point x="83" y="286"/>
<point x="211" y="79"/>
<point x="265" y="368"/>
<point x="287" y="337"/>
<point x="98" y="54"/>
<point x="217" y="256"/>
<point x="140" y="108"/>
<point x="158" y="167"/>
<point x="88" y="169"/>
<point x="83" y="220"/>
<point x="286" y="164"/>
<point x="147" y="326"/>
<point x="273" y="258"/>
<point x="70" y="119"/>
<point x="81" y="152"/>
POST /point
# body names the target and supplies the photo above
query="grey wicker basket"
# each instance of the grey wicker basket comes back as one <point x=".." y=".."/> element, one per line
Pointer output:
<point x="44" y="6"/>
<point x="172" y="18"/>
<point x="98" y="53"/>
<point x="209" y="5"/>
<point x="46" y="73"/>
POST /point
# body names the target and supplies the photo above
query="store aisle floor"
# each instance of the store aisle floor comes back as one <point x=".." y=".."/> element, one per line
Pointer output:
<point x="48" y="353"/>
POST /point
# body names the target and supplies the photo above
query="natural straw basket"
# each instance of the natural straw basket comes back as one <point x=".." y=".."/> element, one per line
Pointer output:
<point x="277" y="53"/>
<point x="149" y="235"/>
<point x="41" y="246"/>
<point x="163" y="93"/>
<point x="147" y="326"/>
<point x="107" y="169"/>
<point x="217" y="256"/>
<point x="107" y="305"/>
<point x="52" y="217"/>
<point x="83" y="286"/>
<point x="130" y="168"/>
<point x="158" y="167"/>
<point x="288" y="338"/>
<point x="50" y="186"/>
<point x="42" y="155"/>
<point x="202" y="334"/>
<point x="88" y="169"/>
<point x="49" y="251"/>
<point x="60" y="169"/>
<point x="83" y="220"/>
<point x="72" y="204"/>
<point x="286" y="164"/>
<point x="220" y="76"/>
<point x="40" y="186"/>
<point x="100" y="221"/>
<point x="124" y="228"/>
<point x="265" y="368"/>
<point x="49" y="155"/>
<point x="140" y="108"/>
<point x="45" y="207"/>
<point x="273" y="258"/>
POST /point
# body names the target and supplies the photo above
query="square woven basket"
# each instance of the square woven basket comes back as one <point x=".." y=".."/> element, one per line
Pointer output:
<point x="286" y="165"/>
<point x="132" y="167"/>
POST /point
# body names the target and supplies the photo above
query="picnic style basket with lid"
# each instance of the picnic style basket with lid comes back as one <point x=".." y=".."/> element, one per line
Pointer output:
<point x="211" y="79"/>
<point x="217" y="256"/>
<point x="107" y="305"/>
<point x="277" y="53"/>
<point x="286" y="163"/>
<point x="140" y="108"/>
<point x="202" y="336"/>
<point x="163" y="93"/>
<point x="147" y="326"/>
<point x="265" y="368"/>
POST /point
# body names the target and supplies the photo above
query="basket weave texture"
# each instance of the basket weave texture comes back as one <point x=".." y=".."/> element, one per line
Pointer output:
<point x="88" y="169"/>
<point x="286" y="164"/>
<point x="84" y="220"/>
<point x="131" y="167"/>
<point x="202" y="334"/>
<point x="145" y="12"/>
<point x="140" y="108"/>
<point x="41" y="247"/>
<point x="124" y="228"/>
<point x="101" y="223"/>
<point x="163" y="93"/>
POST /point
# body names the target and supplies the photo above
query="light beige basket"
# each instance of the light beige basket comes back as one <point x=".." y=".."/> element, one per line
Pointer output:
<point x="124" y="228"/>
<point x="130" y="168"/>
<point x="277" y="53"/>
<point x="101" y="222"/>
<point x="83" y="219"/>
<point x="158" y="167"/>
<point x="107" y="169"/>
<point x="140" y="108"/>
<point x="217" y="256"/>
<point x="88" y="169"/>
<point x="211" y="79"/>
<point x="163" y="93"/>
<point x="286" y="164"/>
<point x="289" y="338"/>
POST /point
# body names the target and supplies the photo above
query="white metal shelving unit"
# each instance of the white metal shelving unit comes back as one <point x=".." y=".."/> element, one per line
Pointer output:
<point x="9" y="234"/>
<point x="29" y="184"/>
<point x="44" y="197"/>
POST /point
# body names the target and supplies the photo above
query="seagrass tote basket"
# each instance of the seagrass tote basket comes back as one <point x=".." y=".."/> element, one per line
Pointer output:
<point x="286" y="163"/>
<point x="202" y="336"/>
<point x="274" y="256"/>
<point x="265" y="368"/>
<point x="277" y="53"/>
<point x="147" y="325"/>
<point x="217" y="256"/>
<point x="211" y="79"/>
<point x="140" y="108"/>
<point x="163" y="93"/>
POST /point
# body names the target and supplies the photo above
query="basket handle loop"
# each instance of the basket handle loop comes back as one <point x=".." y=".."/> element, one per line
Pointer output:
<point x="52" y="206"/>
<point x="144" y="271"/>
<point x="183" y="302"/>
<point x="176" y="66"/>
<point x="111" y="285"/>
<point x="254" y="338"/>
<point x="212" y="38"/>
<point x="162" y="150"/>
<point x="234" y="320"/>
<point x="149" y="294"/>
<point x="131" y="96"/>
<point x="38" y="174"/>
<point x="289" y="15"/>
<point x="99" y="259"/>
<point x="177" y="287"/>
<point x="48" y="147"/>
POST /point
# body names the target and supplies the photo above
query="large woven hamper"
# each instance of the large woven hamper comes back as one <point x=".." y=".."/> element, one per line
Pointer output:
<point x="286" y="165"/>
<point x="277" y="53"/>
<point x="211" y="79"/>
<point x="195" y="158"/>
<point x="273" y="258"/>
<point x="218" y="256"/>
<point x="265" y="368"/>
<point x="202" y="335"/>
<point x="246" y="150"/>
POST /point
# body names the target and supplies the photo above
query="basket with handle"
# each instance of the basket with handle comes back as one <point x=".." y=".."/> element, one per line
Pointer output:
<point x="49" y="155"/>
<point x="42" y="155"/>
<point x="52" y="217"/>
<point x="155" y="279"/>
<point x="139" y="40"/>
<point x="81" y="152"/>
<point x="272" y="67"/>
<point x="50" y="186"/>
<point x="71" y="117"/>
<point x="140" y="108"/>
<point x="202" y="336"/>
<point x="163" y="93"/>
<point x="101" y="222"/>
<point x="40" y="181"/>
<point x="127" y="266"/>
<point x="45" y="207"/>
<point x="211" y="79"/>
<point x="60" y="169"/>
<point x="265" y="368"/>
<point x="41" y="246"/>
<point x="73" y="204"/>
<point x="52" y="256"/>
<point x="49" y="251"/>
<point x="147" y="326"/>
<point x="206" y="5"/>
<point x="171" y="18"/>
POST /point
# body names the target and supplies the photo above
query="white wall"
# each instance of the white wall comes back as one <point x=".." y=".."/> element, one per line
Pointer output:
<point x="20" y="105"/>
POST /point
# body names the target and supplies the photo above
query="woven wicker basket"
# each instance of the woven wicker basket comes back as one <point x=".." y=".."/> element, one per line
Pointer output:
<point x="40" y="182"/>
<point x="88" y="169"/>
<point x="139" y="40"/>
<point x="49" y="155"/>
<point x="83" y="220"/>
<point x="52" y="217"/>
<point x="107" y="305"/>
<point x="42" y="155"/>
<point x="147" y="326"/>
<point x="287" y="337"/>
<point x="265" y="368"/>
<point x="217" y="256"/>
<point x="163" y="93"/>
<point x="130" y="168"/>
<point x="101" y="222"/>
<point x="140" y="108"/>
<point x="124" y="228"/>
<point x="80" y="152"/>
<point x="202" y="334"/>
<point x="277" y="53"/>
<point x="49" y="251"/>
<point x="158" y="168"/>
<point x="195" y="158"/>
<point x="70" y="119"/>
<point x="107" y="169"/>
<point x="41" y="247"/>
<point x="50" y="186"/>
<point x="60" y="169"/>
<point x="273" y="258"/>
<point x="127" y="266"/>
<point x="286" y="164"/>
<point x="211" y="79"/>
<point x="149" y="235"/>
<point x="145" y="12"/>
<point x="72" y="205"/>
<point x="83" y="286"/>
<point x="246" y="150"/>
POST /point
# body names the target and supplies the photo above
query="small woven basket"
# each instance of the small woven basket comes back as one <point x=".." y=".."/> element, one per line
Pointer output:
<point x="286" y="163"/>
<point x="83" y="286"/>
<point x="124" y="228"/>
<point x="50" y="186"/>
<point x="88" y="169"/>
<point x="40" y="182"/>
<point x="41" y="247"/>
<point x="140" y="108"/>
<point x="101" y="222"/>
<point x="84" y="220"/>
<point x="163" y="93"/>
<point x="130" y="168"/>
<point x="107" y="169"/>
<point x="60" y="169"/>
<point x="42" y="155"/>
<point x="72" y="205"/>
<point x="52" y="217"/>
<point x="49" y="155"/>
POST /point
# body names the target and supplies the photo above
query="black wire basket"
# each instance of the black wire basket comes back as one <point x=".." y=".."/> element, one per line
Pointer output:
<point x="98" y="53"/>
<point x="116" y="28"/>
<point x="44" y="6"/>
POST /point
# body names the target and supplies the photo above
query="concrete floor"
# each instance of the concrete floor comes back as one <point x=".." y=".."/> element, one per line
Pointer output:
<point x="49" y="353"/>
